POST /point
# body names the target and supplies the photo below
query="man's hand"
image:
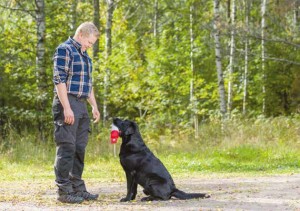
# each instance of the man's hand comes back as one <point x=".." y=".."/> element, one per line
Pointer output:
<point x="69" y="116"/>
<point x="63" y="97"/>
<point x="93" y="103"/>
<point x="96" y="115"/>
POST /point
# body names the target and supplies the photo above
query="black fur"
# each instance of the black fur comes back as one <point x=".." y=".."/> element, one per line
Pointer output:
<point x="143" y="168"/>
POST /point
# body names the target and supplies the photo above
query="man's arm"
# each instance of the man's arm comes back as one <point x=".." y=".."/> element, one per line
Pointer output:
<point x="62" y="93"/>
<point x="93" y="103"/>
<point x="61" y="60"/>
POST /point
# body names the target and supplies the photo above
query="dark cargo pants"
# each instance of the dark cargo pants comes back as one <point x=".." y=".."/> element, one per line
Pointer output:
<point x="71" y="141"/>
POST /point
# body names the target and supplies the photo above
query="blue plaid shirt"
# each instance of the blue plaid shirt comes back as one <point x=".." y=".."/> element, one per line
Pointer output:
<point x="73" y="68"/>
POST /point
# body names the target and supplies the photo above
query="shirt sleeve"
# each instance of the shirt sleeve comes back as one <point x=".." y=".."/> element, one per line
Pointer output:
<point x="61" y="68"/>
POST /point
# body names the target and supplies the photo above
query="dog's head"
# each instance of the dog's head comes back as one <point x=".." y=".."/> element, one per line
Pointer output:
<point x="126" y="127"/>
<point x="131" y="138"/>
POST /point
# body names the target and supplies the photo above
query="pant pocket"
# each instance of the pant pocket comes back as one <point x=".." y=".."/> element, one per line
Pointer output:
<point x="57" y="112"/>
<point x="60" y="132"/>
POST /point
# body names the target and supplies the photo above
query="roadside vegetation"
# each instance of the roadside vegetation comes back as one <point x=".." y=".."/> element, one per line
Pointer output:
<point x="250" y="146"/>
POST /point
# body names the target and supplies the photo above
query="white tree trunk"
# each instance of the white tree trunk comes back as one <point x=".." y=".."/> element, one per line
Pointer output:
<point x="247" y="9"/>
<point x="219" y="59"/>
<point x="110" y="10"/>
<point x="194" y="116"/>
<point x="231" y="58"/>
<point x="97" y="24"/>
<point x="40" y="65"/>
<point x="74" y="14"/>
<point x="263" y="27"/>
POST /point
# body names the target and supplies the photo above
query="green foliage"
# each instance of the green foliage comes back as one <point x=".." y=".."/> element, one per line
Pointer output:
<point x="150" y="74"/>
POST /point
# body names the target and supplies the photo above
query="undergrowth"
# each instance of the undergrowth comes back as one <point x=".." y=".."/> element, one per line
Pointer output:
<point x="251" y="146"/>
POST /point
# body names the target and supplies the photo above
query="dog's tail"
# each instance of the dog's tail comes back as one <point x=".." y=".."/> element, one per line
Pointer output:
<point x="182" y="195"/>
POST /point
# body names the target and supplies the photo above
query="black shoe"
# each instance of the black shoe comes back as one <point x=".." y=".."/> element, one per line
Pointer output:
<point x="86" y="195"/>
<point x="70" y="198"/>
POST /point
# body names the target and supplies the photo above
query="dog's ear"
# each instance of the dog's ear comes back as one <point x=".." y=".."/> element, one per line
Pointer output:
<point x="130" y="129"/>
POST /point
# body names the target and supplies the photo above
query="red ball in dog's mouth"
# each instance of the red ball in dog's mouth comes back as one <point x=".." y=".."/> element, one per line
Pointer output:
<point x="114" y="134"/>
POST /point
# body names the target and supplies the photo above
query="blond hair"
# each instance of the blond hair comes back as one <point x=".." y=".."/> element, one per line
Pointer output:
<point x="87" y="28"/>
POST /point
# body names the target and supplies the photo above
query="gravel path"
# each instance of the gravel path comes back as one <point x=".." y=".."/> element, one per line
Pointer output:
<point x="272" y="193"/>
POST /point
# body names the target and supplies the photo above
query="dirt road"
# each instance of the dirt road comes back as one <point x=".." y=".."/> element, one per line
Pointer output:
<point x="272" y="193"/>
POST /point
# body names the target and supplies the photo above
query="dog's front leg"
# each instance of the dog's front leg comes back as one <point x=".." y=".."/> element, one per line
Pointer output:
<point x="131" y="187"/>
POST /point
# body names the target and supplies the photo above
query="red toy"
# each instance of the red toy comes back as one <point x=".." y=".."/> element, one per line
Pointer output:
<point x="114" y="134"/>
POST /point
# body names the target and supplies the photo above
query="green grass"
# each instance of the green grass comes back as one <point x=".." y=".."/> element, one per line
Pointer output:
<point x="239" y="160"/>
<point x="256" y="147"/>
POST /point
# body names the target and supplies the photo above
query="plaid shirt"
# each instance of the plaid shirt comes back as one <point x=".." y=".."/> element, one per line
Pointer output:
<point x="73" y="68"/>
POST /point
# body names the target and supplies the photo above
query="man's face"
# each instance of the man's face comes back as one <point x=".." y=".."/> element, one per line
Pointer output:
<point x="87" y="42"/>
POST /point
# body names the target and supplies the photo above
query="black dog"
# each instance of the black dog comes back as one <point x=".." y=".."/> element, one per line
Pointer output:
<point x="143" y="168"/>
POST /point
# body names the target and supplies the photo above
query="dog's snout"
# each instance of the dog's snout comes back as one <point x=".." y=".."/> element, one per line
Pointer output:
<point x="117" y="121"/>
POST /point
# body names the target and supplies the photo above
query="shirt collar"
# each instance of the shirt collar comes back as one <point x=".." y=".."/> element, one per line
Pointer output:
<point x="75" y="43"/>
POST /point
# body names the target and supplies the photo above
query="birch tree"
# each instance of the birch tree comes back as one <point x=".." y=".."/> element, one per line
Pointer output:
<point x="231" y="58"/>
<point x="96" y="45"/>
<point x="40" y="64"/>
<point x="263" y="28"/>
<point x="192" y="97"/>
<point x="108" y="43"/>
<point x="245" y="91"/>
<point x="216" y="33"/>
<point x="74" y="14"/>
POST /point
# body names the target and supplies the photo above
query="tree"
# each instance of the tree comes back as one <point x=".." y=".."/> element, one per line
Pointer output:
<point x="108" y="49"/>
<point x="245" y="78"/>
<point x="219" y="58"/>
<point x="97" y="24"/>
<point x="231" y="58"/>
<point x="159" y="58"/>
<point x="41" y="66"/>
<point x="263" y="29"/>
<point x="73" y="11"/>
<point x="192" y="97"/>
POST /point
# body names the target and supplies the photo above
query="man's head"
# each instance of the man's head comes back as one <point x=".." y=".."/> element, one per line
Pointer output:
<point x="86" y="34"/>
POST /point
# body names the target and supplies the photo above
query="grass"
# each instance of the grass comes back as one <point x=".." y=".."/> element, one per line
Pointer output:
<point x="251" y="146"/>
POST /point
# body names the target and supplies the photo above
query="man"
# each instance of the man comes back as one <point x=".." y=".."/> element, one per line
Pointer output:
<point x="72" y="76"/>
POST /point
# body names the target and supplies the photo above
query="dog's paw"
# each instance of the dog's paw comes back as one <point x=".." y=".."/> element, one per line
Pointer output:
<point x="148" y="198"/>
<point x="207" y="196"/>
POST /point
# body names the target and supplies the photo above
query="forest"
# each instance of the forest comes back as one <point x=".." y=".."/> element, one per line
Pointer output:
<point x="162" y="63"/>
<point x="214" y="86"/>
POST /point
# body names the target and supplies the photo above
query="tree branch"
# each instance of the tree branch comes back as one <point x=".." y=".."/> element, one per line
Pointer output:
<point x="19" y="9"/>
<point x="16" y="9"/>
<point x="28" y="11"/>
<point x="276" y="40"/>
<point x="282" y="60"/>
<point x="270" y="58"/>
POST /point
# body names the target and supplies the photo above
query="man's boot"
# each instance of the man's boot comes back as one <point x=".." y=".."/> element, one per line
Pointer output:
<point x="86" y="195"/>
<point x="70" y="198"/>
